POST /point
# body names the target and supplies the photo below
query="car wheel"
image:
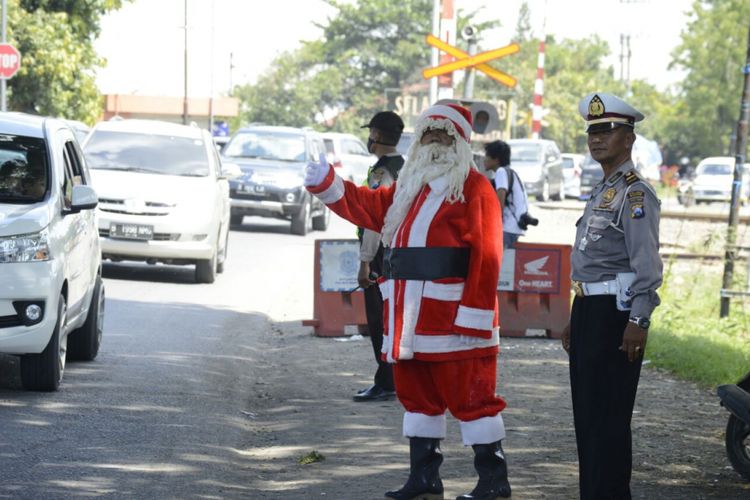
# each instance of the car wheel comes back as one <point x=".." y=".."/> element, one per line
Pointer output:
<point x="236" y="219"/>
<point x="301" y="221"/>
<point x="223" y="255"/>
<point x="320" y="222"/>
<point x="44" y="371"/>
<point x="737" y="440"/>
<point x="544" y="194"/>
<point x="84" y="342"/>
<point x="205" y="270"/>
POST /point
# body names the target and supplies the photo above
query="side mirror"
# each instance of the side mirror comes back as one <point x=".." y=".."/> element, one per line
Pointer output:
<point x="230" y="171"/>
<point x="83" y="198"/>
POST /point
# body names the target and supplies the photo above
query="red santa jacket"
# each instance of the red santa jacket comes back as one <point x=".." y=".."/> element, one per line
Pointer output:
<point x="448" y="318"/>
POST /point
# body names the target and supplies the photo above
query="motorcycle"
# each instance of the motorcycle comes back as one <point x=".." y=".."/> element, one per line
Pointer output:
<point x="736" y="399"/>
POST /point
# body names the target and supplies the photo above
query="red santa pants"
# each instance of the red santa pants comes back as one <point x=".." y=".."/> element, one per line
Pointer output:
<point x="466" y="387"/>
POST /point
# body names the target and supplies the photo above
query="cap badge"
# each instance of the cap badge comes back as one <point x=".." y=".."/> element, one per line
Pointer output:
<point x="596" y="106"/>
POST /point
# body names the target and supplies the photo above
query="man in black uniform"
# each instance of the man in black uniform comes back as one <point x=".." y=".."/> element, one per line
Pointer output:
<point x="385" y="132"/>
<point x="616" y="270"/>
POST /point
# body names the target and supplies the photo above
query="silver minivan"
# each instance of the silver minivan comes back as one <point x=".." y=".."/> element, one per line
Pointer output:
<point x="51" y="291"/>
<point x="538" y="163"/>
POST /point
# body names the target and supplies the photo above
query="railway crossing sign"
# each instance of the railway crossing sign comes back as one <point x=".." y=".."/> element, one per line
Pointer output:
<point x="464" y="60"/>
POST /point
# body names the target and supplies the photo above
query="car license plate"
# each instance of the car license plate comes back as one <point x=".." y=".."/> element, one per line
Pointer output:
<point x="131" y="231"/>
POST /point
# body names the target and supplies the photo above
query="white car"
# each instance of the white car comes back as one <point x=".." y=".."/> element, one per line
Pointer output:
<point x="350" y="155"/>
<point x="572" y="173"/>
<point x="713" y="180"/>
<point x="163" y="196"/>
<point x="51" y="291"/>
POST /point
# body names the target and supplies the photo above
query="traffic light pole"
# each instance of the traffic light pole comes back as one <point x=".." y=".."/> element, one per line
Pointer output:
<point x="734" y="211"/>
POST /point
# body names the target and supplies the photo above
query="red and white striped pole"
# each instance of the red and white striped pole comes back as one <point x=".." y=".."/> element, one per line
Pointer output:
<point x="536" y="115"/>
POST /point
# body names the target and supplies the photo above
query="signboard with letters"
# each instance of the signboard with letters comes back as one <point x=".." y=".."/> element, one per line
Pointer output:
<point x="339" y="263"/>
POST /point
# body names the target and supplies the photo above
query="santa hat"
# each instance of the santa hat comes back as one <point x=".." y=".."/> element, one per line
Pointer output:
<point x="459" y="116"/>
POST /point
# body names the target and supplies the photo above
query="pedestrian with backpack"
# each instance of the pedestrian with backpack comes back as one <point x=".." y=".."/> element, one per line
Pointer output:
<point x="510" y="192"/>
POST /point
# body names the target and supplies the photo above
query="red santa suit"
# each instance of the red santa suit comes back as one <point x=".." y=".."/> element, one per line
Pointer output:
<point x="442" y="334"/>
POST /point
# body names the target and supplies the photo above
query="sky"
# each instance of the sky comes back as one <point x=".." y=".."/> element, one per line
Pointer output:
<point x="144" y="45"/>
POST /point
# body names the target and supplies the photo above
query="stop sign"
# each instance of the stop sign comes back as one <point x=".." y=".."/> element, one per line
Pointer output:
<point x="10" y="60"/>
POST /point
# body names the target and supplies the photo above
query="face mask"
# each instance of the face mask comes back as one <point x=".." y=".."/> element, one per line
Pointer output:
<point x="371" y="141"/>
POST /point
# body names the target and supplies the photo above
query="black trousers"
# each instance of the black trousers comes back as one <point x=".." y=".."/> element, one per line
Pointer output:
<point x="603" y="385"/>
<point x="374" y="312"/>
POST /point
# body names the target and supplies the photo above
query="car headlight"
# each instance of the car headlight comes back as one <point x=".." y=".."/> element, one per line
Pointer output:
<point x="32" y="247"/>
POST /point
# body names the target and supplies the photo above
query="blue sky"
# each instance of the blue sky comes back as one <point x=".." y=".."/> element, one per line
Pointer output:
<point x="144" y="42"/>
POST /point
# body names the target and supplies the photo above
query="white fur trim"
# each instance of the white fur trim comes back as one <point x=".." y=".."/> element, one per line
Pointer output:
<point x="435" y="344"/>
<point x="332" y="193"/>
<point x="477" y="319"/>
<point x="424" y="426"/>
<point x="443" y="291"/>
<point x="452" y="115"/>
<point x="483" y="430"/>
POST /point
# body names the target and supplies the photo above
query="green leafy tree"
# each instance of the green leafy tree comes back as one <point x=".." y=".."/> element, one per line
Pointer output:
<point x="367" y="47"/>
<point x="55" y="38"/>
<point x="712" y="53"/>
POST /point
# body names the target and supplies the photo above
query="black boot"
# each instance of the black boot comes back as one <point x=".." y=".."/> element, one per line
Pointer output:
<point x="424" y="479"/>
<point x="489" y="461"/>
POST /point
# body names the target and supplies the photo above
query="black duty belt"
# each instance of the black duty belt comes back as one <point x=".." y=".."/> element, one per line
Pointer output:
<point x="425" y="264"/>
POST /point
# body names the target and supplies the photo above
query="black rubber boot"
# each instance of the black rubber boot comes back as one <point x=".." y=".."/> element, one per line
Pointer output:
<point x="424" y="481"/>
<point x="489" y="461"/>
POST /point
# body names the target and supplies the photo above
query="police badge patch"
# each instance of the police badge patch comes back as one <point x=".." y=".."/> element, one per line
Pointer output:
<point x="637" y="211"/>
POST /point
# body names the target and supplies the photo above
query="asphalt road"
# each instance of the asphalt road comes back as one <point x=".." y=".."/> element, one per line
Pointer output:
<point x="217" y="391"/>
<point x="161" y="412"/>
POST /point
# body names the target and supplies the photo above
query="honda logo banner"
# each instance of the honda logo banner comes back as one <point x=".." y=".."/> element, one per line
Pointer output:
<point x="531" y="270"/>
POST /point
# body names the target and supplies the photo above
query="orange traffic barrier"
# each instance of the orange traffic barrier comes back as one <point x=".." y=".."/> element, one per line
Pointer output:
<point x="335" y="304"/>
<point x="533" y="295"/>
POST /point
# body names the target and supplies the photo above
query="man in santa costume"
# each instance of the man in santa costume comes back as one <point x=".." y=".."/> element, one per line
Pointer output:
<point x="442" y="230"/>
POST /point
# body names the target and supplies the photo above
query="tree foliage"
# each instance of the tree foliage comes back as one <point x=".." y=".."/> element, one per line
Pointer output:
<point x="58" y="60"/>
<point x="369" y="46"/>
<point x="713" y="52"/>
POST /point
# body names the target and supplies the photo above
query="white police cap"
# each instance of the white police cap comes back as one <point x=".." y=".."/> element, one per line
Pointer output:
<point x="606" y="111"/>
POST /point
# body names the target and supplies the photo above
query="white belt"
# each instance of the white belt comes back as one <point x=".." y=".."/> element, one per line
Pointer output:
<point x="595" y="288"/>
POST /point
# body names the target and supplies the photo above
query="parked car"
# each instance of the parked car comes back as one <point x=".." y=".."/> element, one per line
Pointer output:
<point x="572" y="174"/>
<point x="591" y="175"/>
<point x="349" y="155"/>
<point x="163" y="195"/>
<point x="51" y="291"/>
<point x="713" y="181"/>
<point x="273" y="160"/>
<point x="539" y="165"/>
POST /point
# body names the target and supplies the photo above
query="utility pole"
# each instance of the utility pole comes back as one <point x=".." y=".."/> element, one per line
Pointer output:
<point x="231" y="72"/>
<point x="185" y="96"/>
<point x="3" y="87"/>
<point x="470" y="35"/>
<point x="434" y="54"/>
<point x="211" y="77"/>
<point x="734" y="211"/>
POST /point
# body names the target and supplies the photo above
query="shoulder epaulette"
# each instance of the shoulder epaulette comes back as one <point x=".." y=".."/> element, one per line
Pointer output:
<point x="631" y="177"/>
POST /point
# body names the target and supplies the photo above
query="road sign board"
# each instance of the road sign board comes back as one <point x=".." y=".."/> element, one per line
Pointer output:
<point x="465" y="60"/>
<point x="10" y="60"/>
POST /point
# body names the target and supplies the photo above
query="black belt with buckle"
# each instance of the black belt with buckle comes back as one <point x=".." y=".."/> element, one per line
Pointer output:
<point x="425" y="263"/>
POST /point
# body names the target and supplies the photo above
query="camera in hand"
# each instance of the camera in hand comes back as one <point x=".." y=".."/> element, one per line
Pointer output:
<point x="527" y="220"/>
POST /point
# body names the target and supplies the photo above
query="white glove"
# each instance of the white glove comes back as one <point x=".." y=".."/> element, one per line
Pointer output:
<point x="316" y="172"/>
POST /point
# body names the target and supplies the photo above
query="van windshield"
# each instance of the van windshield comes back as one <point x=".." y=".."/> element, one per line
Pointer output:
<point x="148" y="153"/>
<point x="23" y="169"/>
<point x="267" y="145"/>
<point x="525" y="152"/>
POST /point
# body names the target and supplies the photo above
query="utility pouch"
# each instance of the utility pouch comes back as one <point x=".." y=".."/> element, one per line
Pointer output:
<point x="624" y="292"/>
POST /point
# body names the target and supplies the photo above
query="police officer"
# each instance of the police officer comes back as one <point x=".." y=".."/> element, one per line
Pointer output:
<point x="385" y="132"/>
<point x="616" y="271"/>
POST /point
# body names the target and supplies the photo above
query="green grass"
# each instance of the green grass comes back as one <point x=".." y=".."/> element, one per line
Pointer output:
<point x="688" y="337"/>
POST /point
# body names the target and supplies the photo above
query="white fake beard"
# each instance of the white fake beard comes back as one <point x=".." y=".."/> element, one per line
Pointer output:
<point x="424" y="164"/>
